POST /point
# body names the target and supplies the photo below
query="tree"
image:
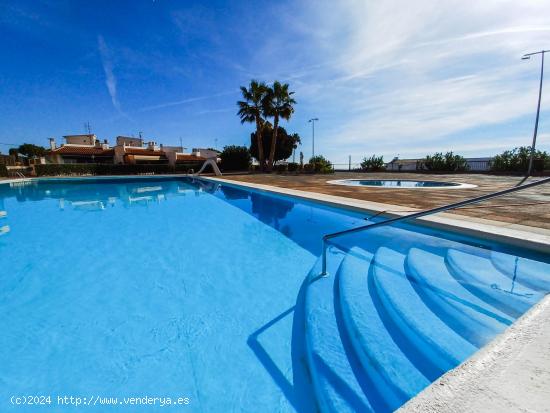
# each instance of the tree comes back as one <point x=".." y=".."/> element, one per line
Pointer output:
<point x="31" y="151"/>
<point x="321" y="164"/>
<point x="374" y="163"/>
<point x="448" y="162"/>
<point x="14" y="153"/>
<point x="251" y="110"/>
<point x="277" y="104"/>
<point x="286" y="143"/>
<point x="235" y="158"/>
<point x="517" y="160"/>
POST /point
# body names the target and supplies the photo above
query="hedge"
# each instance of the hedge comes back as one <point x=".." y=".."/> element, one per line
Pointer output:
<point x="111" y="169"/>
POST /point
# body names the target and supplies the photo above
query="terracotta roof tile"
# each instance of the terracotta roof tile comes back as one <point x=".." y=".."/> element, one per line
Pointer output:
<point x="79" y="150"/>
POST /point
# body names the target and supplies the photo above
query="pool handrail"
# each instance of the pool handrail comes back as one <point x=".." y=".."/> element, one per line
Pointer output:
<point x="424" y="213"/>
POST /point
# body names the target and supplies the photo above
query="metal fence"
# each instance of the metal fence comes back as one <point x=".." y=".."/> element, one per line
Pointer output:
<point x="341" y="167"/>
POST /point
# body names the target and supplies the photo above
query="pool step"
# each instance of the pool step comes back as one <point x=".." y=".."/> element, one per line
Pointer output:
<point x="467" y="314"/>
<point x="425" y="330"/>
<point x="533" y="274"/>
<point x="382" y="326"/>
<point x="337" y="386"/>
<point x="395" y="377"/>
<point x="479" y="275"/>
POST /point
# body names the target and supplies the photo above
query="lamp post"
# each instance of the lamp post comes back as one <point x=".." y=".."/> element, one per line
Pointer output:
<point x="527" y="57"/>
<point x="312" y="121"/>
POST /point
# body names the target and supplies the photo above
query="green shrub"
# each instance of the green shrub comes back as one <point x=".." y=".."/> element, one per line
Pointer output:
<point x="293" y="167"/>
<point x="517" y="160"/>
<point x="235" y="158"/>
<point x="372" y="164"/>
<point x="308" y="168"/>
<point x="282" y="168"/>
<point x="448" y="162"/>
<point x="3" y="170"/>
<point x="321" y="165"/>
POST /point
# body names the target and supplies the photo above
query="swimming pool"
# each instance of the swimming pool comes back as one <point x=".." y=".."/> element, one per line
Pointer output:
<point x="181" y="287"/>
<point x="400" y="183"/>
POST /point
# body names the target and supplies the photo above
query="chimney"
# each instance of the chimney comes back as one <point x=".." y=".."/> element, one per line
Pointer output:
<point x="52" y="144"/>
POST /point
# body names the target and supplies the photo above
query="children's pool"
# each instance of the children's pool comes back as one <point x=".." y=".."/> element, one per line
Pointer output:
<point x="184" y="288"/>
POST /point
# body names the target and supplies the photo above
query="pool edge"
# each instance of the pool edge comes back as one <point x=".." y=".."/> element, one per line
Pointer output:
<point x="523" y="236"/>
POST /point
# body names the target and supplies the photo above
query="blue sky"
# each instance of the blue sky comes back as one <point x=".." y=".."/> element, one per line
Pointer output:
<point x="386" y="77"/>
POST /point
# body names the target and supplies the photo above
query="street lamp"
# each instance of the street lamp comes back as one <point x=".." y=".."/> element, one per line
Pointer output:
<point x="312" y="121"/>
<point x="527" y="57"/>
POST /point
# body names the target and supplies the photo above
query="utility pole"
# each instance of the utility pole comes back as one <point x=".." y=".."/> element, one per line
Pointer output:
<point x="527" y="57"/>
<point x="349" y="163"/>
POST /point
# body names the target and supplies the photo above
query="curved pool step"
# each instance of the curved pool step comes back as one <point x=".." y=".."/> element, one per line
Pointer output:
<point x="333" y="372"/>
<point x="531" y="273"/>
<point x="426" y="331"/>
<point x="395" y="377"/>
<point x="478" y="274"/>
<point x="467" y="314"/>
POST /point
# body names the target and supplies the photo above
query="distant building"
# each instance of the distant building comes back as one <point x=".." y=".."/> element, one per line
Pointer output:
<point x="129" y="141"/>
<point x="128" y="150"/>
<point x="479" y="164"/>
<point x="402" y="165"/>
<point x="399" y="165"/>
<point x="205" y="153"/>
<point x="80" y="149"/>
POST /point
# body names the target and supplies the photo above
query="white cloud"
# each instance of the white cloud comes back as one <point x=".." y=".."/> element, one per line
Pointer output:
<point x="403" y="77"/>
<point x="110" y="79"/>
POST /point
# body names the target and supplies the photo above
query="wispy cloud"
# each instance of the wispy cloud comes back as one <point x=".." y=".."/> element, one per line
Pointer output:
<point x="184" y="101"/>
<point x="110" y="79"/>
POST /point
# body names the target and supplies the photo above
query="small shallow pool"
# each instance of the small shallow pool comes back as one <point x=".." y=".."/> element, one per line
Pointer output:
<point x="400" y="183"/>
<point x="185" y="288"/>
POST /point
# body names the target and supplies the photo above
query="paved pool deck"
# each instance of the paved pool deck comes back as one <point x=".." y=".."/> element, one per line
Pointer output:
<point x="530" y="207"/>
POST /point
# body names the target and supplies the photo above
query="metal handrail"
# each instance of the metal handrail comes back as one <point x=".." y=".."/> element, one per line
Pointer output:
<point x="447" y="207"/>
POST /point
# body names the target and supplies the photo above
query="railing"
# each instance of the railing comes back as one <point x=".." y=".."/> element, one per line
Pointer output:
<point x="420" y="214"/>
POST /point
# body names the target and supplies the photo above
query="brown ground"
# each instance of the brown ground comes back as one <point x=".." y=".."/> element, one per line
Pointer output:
<point x="529" y="207"/>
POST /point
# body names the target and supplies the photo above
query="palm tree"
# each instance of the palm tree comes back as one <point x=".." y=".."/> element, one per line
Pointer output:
<point x="251" y="110"/>
<point x="277" y="103"/>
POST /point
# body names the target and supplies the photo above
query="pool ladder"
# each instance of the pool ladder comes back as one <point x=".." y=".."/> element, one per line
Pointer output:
<point x="420" y="214"/>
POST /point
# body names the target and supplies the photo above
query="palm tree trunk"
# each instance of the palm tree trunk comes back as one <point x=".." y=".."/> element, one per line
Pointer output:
<point x="260" y="143"/>
<point x="273" y="142"/>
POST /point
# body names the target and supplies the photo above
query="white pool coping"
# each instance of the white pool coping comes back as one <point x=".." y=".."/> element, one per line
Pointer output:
<point x="456" y="185"/>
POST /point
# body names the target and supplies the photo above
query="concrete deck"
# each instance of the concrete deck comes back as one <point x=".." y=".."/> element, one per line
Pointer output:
<point x="530" y="207"/>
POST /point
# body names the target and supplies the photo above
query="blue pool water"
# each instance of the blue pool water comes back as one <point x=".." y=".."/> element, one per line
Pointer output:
<point x="397" y="183"/>
<point x="153" y="287"/>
